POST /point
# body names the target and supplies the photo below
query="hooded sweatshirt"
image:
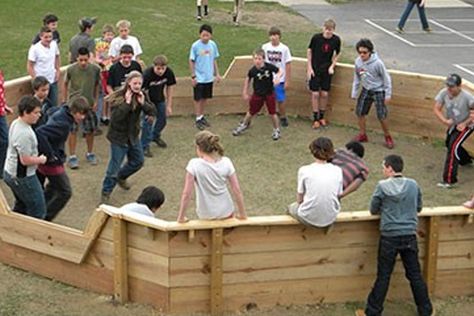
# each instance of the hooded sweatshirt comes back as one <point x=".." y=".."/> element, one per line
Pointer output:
<point x="397" y="200"/>
<point x="373" y="75"/>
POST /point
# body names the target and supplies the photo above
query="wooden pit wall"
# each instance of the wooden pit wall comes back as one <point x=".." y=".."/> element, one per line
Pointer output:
<point x="410" y="111"/>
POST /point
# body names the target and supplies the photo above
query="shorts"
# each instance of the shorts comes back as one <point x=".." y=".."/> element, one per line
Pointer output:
<point x="203" y="91"/>
<point x="365" y="100"/>
<point x="320" y="81"/>
<point x="280" y="93"/>
<point x="88" y="124"/>
<point x="256" y="103"/>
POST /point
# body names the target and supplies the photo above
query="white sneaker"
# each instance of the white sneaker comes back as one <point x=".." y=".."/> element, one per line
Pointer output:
<point x="239" y="129"/>
<point x="445" y="185"/>
<point x="276" y="134"/>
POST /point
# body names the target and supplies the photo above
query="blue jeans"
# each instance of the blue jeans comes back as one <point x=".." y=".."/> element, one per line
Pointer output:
<point x="389" y="247"/>
<point x="153" y="131"/>
<point x="53" y="94"/>
<point x="100" y="105"/>
<point x="406" y="13"/>
<point x="3" y="143"/>
<point x="115" y="170"/>
<point x="29" y="196"/>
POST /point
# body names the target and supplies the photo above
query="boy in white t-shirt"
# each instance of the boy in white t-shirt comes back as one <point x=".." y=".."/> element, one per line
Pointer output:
<point x="123" y="28"/>
<point x="319" y="185"/>
<point x="279" y="55"/>
<point x="148" y="203"/>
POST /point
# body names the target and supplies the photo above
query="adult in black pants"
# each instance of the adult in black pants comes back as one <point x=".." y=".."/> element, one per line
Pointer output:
<point x="51" y="139"/>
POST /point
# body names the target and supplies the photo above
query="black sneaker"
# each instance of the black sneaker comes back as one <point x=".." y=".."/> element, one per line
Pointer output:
<point x="284" y="121"/>
<point x="147" y="152"/>
<point x="206" y="123"/>
<point x="200" y="125"/>
<point x="105" y="198"/>
<point x="105" y="121"/>
<point x="161" y="143"/>
<point x="123" y="184"/>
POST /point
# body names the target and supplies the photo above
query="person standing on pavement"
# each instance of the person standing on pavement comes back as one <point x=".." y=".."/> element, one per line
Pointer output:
<point x="420" y="5"/>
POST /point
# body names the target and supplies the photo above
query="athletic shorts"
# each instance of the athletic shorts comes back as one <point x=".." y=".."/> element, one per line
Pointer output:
<point x="320" y="81"/>
<point x="365" y="100"/>
<point x="256" y="103"/>
<point x="203" y="91"/>
<point x="280" y="93"/>
<point x="88" y="124"/>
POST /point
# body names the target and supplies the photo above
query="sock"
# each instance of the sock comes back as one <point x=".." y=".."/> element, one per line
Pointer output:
<point x="199" y="117"/>
<point x="205" y="10"/>
<point x="316" y="116"/>
<point x="199" y="10"/>
<point x="321" y="114"/>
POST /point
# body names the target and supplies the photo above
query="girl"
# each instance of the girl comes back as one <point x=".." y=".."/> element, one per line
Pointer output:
<point x="210" y="173"/>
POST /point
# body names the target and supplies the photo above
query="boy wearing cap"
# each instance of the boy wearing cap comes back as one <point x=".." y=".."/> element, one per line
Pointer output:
<point x="457" y="103"/>
<point x="82" y="39"/>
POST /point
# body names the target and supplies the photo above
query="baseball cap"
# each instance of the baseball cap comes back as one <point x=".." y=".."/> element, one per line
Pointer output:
<point x="453" y="80"/>
<point x="87" y="22"/>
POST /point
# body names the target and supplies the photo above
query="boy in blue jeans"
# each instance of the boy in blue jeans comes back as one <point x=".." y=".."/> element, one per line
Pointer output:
<point x="398" y="200"/>
<point x="203" y="66"/>
<point x="155" y="79"/>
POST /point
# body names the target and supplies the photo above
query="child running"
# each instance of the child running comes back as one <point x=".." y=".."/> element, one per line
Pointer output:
<point x="263" y="92"/>
<point x="210" y="173"/>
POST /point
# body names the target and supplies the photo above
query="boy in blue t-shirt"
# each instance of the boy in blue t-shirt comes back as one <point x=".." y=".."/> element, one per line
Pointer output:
<point x="203" y="66"/>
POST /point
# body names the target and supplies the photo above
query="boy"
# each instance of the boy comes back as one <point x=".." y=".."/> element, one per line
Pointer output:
<point x="376" y="88"/>
<point x="118" y="72"/>
<point x="51" y="139"/>
<point x="203" y="66"/>
<point x="323" y="52"/>
<point x="40" y="87"/>
<point x="44" y="60"/>
<point x="83" y="78"/>
<point x="398" y="200"/>
<point x="155" y="79"/>
<point x="148" y="203"/>
<point x="458" y="103"/>
<point x="124" y="38"/>
<point x="104" y="60"/>
<point x="4" y="110"/>
<point x="82" y="39"/>
<point x="278" y="54"/>
<point x="263" y="92"/>
<point x="199" y="4"/>
<point x="51" y="22"/>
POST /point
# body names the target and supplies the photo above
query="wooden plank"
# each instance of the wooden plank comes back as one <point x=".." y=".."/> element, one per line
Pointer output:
<point x="452" y="228"/>
<point x="4" y="207"/>
<point x="431" y="255"/>
<point x="455" y="283"/>
<point x="216" y="295"/>
<point x="120" y="260"/>
<point x="455" y="255"/>
<point x="93" y="229"/>
<point x="145" y="292"/>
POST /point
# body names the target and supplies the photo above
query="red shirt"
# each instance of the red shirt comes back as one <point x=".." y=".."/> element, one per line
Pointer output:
<point x="3" y="102"/>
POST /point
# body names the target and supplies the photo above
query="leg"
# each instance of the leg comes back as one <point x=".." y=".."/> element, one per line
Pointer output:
<point x="454" y="141"/>
<point x="362" y="125"/>
<point x="384" y="125"/>
<point x="387" y="254"/>
<point x="3" y="143"/>
<point x="405" y="14"/>
<point x="135" y="161"/>
<point x="160" y="120"/>
<point x="117" y="155"/>
<point x="53" y="94"/>
<point x="72" y="143"/>
<point x="146" y="135"/>
<point x="240" y="5"/>
<point x="463" y="156"/>
<point x="409" y="255"/>
<point x="90" y="142"/>
<point x="423" y="19"/>
<point x="59" y="192"/>
<point x="28" y="190"/>
<point x="271" y="107"/>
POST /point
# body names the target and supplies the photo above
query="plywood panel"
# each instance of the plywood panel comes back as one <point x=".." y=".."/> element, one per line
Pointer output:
<point x="456" y="255"/>
<point x="455" y="282"/>
<point x="455" y="228"/>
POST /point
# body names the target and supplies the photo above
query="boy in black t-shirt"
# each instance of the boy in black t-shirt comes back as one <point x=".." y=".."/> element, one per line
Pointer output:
<point x="263" y="92"/>
<point x="119" y="71"/>
<point x="155" y="79"/>
<point x="323" y="52"/>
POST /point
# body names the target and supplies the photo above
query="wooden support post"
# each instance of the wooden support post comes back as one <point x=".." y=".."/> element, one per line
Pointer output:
<point x="120" y="260"/>
<point x="191" y="235"/>
<point x="431" y="253"/>
<point x="216" y="272"/>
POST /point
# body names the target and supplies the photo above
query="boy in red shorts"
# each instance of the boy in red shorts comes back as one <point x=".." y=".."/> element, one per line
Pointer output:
<point x="263" y="92"/>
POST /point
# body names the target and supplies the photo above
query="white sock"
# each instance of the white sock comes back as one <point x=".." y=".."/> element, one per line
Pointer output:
<point x="199" y="117"/>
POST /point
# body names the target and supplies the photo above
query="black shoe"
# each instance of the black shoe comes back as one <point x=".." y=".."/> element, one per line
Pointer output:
<point x="147" y="153"/>
<point x="200" y="125"/>
<point x="105" y="198"/>
<point x="161" y="143"/>
<point x="205" y="122"/>
<point x="123" y="184"/>
<point x="105" y="121"/>
<point x="284" y="121"/>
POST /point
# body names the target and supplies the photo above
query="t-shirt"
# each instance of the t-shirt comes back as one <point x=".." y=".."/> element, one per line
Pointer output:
<point x="213" y="200"/>
<point x="21" y="142"/>
<point x="83" y="81"/>
<point x="353" y="167"/>
<point x="323" y="50"/>
<point x="118" y="42"/>
<point x="44" y="59"/>
<point x="137" y="208"/>
<point x="262" y="79"/>
<point x="457" y="108"/>
<point x="118" y="73"/>
<point x="56" y="38"/>
<point x="203" y="56"/>
<point x="156" y="84"/>
<point x="277" y="55"/>
<point x="102" y="56"/>
<point x="80" y="40"/>
<point x="321" y="185"/>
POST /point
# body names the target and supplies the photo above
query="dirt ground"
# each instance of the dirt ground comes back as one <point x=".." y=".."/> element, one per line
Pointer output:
<point x="267" y="171"/>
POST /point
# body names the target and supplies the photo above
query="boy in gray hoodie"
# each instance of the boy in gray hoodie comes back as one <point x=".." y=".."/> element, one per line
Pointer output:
<point x="398" y="200"/>
<point x="376" y="88"/>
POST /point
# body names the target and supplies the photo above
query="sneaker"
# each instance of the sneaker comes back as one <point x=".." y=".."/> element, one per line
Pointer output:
<point x="427" y="30"/>
<point x="91" y="159"/>
<point x="389" y="142"/>
<point x="161" y="143"/>
<point x="362" y="138"/>
<point x="445" y="185"/>
<point x="316" y="125"/>
<point x="205" y="122"/>
<point x="399" y="30"/>
<point x="199" y="18"/>
<point x="73" y="162"/>
<point x="123" y="184"/>
<point x="105" y="198"/>
<point x="239" y="129"/>
<point x="105" y="121"/>
<point x="284" y="121"/>
<point x="147" y="152"/>
<point x="276" y="134"/>
<point x="323" y="123"/>
<point x="200" y="125"/>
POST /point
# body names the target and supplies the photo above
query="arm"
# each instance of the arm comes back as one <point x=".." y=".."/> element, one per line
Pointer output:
<point x="245" y="90"/>
<point x="234" y="185"/>
<point x="335" y="57"/>
<point x="57" y="66"/>
<point x="387" y="82"/>
<point x="353" y="186"/>
<point x="185" y="197"/>
<point x="376" y="201"/>
<point x="193" y="74"/>
<point x="169" y="99"/>
<point x="299" y="198"/>
<point x="355" y="83"/>
<point x="30" y="67"/>
<point x="65" y="87"/>
<point x="419" y="200"/>
<point x="287" y="74"/>
<point x="309" y="65"/>
<point x="32" y="160"/>
<point x="439" y="114"/>
<point x="216" y="71"/>
<point x="276" y="80"/>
